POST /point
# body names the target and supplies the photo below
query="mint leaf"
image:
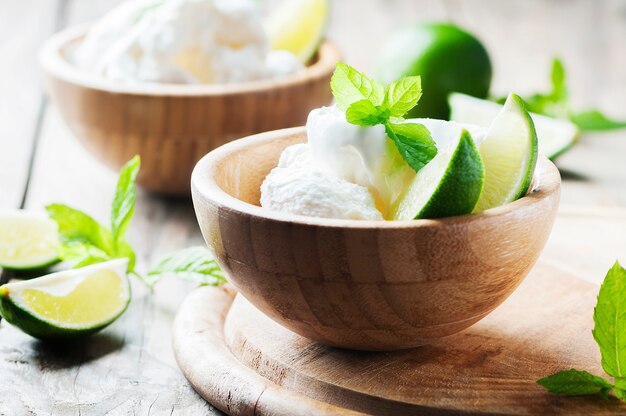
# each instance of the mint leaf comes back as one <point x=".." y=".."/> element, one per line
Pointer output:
<point x="364" y="113"/>
<point x="77" y="227"/>
<point x="413" y="142"/>
<point x="84" y="241"/>
<point x="556" y="104"/>
<point x="559" y="86"/>
<point x="123" y="206"/>
<point x="576" y="383"/>
<point x="594" y="120"/>
<point x="367" y="104"/>
<point x="81" y="253"/>
<point x="403" y="95"/>
<point x="124" y="250"/>
<point x="194" y="263"/>
<point x="610" y="322"/>
<point x="349" y="85"/>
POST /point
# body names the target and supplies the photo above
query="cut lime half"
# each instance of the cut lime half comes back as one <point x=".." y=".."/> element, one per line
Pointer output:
<point x="298" y="26"/>
<point x="68" y="304"/>
<point x="555" y="136"/>
<point x="28" y="240"/>
<point x="509" y="152"/>
<point x="447" y="186"/>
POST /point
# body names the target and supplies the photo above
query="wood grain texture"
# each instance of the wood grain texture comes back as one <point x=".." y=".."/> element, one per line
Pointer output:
<point x="23" y="26"/>
<point x="172" y="126"/>
<point x="522" y="36"/>
<point x="371" y="285"/>
<point x="128" y="368"/>
<point x="215" y="373"/>
<point x="490" y="368"/>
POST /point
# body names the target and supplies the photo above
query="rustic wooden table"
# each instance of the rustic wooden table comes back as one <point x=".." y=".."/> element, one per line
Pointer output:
<point x="129" y="368"/>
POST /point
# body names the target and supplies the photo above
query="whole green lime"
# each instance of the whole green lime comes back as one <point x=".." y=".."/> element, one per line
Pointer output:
<point x="447" y="58"/>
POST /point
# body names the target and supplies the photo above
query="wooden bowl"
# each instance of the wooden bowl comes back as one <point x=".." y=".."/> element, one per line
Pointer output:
<point x="368" y="285"/>
<point x="172" y="125"/>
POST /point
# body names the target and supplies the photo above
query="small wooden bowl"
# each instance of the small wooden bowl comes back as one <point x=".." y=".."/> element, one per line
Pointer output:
<point x="368" y="285"/>
<point x="171" y="125"/>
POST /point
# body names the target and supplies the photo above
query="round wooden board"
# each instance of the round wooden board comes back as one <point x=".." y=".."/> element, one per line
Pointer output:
<point x="246" y="364"/>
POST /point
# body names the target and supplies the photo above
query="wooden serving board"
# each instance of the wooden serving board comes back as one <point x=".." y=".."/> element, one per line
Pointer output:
<point x="245" y="364"/>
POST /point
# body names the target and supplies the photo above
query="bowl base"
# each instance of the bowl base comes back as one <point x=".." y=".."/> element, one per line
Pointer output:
<point x="240" y="360"/>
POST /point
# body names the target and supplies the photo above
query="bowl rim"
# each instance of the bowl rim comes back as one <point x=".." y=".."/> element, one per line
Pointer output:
<point x="58" y="66"/>
<point x="546" y="182"/>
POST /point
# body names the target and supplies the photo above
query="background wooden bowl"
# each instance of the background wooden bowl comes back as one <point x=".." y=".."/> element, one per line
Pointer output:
<point x="172" y="126"/>
<point x="371" y="285"/>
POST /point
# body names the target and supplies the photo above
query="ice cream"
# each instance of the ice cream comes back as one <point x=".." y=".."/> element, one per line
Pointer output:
<point x="347" y="171"/>
<point x="183" y="41"/>
<point x="295" y="186"/>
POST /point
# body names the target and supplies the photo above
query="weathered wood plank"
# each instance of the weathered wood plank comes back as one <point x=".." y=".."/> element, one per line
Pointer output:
<point x="129" y="367"/>
<point x="23" y="26"/>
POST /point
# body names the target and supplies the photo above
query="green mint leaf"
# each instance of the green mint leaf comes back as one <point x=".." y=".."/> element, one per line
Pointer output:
<point x="123" y="206"/>
<point x="76" y="226"/>
<point x="81" y="253"/>
<point x="552" y="104"/>
<point x="413" y="142"/>
<point x="559" y="86"/>
<point x="610" y="322"/>
<point x="364" y="113"/>
<point x="540" y="104"/>
<point x="620" y="394"/>
<point x="576" y="383"/>
<point x="349" y="85"/>
<point x="124" y="250"/>
<point x="403" y="95"/>
<point x="594" y="120"/>
<point x="194" y="263"/>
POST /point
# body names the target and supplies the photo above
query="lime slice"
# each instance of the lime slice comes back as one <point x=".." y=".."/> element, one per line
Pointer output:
<point x="28" y="240"/>
<point x="449" y="185"/>
<point x="509" y="151"/>
<point x="555" y="136"/>
<point x="298" y="26"/>
<point x="68" y="304"/>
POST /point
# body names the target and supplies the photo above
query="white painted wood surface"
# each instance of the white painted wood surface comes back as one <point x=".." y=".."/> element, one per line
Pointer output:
<point x="129" y="368"/>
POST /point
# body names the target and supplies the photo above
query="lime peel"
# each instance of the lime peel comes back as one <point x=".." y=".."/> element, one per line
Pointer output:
<point x="68" y="304"/>
<point x="298" y="27"/>
<point x="28" y="240"/>
<point x="555" y="136"/>
<point x="509" y="152"/>
<point x="449" y="185"/>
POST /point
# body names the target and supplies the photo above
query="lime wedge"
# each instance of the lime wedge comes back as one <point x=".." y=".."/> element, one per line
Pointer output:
<point x="555" y="136"/>
<point x="449" y="185"/>
<point x="68" y="304"/>
<point x="298" y="26"/>
<point x="28" y="240"/>
<point x="509" y="151"/>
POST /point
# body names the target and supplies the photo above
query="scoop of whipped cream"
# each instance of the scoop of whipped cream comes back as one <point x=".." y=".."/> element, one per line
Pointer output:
<point x="183" y="41"/>
<point x="348" y="171"/>
<point x="295" y="186"/>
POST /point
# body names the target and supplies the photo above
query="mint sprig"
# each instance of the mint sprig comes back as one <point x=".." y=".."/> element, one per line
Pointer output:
<point x="610" y="334"/>
<point x="369" y="103"/>
<point x="84" y="241"/>
<point x="556" y="103"/>
<point x="576" y="383"/>
<point x="193" y="263"/>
